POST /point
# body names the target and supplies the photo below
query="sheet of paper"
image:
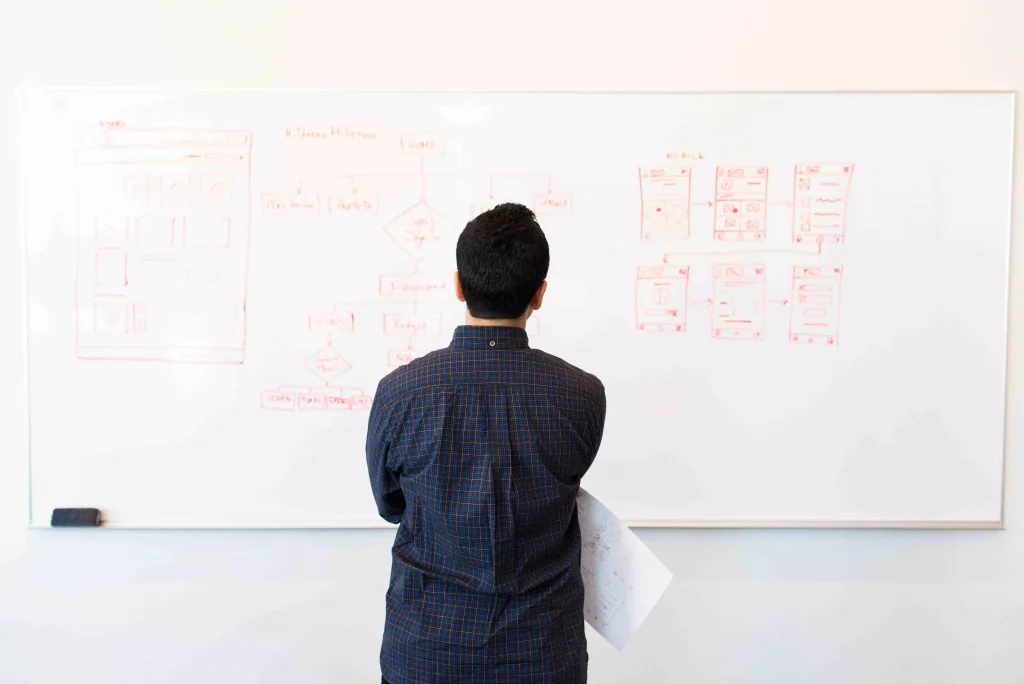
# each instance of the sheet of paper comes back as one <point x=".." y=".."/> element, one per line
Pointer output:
<point x="622" y="577"/>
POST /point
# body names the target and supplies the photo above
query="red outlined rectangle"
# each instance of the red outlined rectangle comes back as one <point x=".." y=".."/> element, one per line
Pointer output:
<point x="138" y="192"/>
<point x="111" y="267"/>
<point x="738" y="302"/>
<point x="291" y="204"/>
<point x="665" y="202"/>
<point x="110" y="317"/>
<point x="553" y="203"/>
<point x="140" y="320"/>
<point x="332" y="398"/>
<point x="400" y="357"/>
<point x="312" y="402"/>
<point x="278" y="400"/>
<point x="412" y="284"/>
<point x="332" y="322"/>
<point x="111" y="229"/>
<point x="820" y="199"/>
<point x="155" y="231"/>
<point x="427" y="143"/>
<point x="193" y="322"/>
<point x="217" y="190"/>
<point x="661" y="298"/>
<point x="207" y="232"/>
<point x="175" y="191"/>
<point x="412" y="325"/>
<point x="337" y="403"/>
<point x="814" y="316"/>
<point x="352" y="204"/>
<point x="741" y="203"/>
<point x="176" y="138"/>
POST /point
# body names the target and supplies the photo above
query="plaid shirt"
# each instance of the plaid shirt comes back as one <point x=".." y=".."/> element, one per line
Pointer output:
<point x="477" y="450"/>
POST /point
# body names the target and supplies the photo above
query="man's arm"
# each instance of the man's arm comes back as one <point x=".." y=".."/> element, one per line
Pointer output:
<point x="598" y="408"/>
<point x="387" y="491"/>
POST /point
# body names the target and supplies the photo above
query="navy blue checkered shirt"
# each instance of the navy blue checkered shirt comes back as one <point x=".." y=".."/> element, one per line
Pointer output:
<point x="476" y="451"/>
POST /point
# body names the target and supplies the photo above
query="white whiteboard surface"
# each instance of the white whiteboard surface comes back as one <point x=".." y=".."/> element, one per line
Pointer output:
<point x="797" y="302"/>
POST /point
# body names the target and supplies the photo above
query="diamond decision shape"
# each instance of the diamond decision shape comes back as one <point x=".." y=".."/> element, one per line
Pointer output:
<point x="327" y="363"/>
<point x="417" y="230"/>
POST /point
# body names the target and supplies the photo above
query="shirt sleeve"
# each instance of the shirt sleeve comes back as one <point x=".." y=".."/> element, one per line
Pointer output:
<point x="595" y="424"/>
<point x="387" y="490"/>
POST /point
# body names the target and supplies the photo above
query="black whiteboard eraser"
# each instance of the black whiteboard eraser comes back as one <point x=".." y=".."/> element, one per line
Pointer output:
<point x="75" y="517"/>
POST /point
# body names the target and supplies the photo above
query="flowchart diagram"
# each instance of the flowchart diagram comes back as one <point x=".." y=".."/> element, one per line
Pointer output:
<point x="736" y="295"/>
<point x="164" y="230"/>
<point x="409" y="313"/>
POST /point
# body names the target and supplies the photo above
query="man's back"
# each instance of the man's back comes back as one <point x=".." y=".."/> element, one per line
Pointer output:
<point x="478" y="450"/>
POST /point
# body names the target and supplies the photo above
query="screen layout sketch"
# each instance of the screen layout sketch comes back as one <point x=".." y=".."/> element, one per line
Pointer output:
<point x="163" y="241"/>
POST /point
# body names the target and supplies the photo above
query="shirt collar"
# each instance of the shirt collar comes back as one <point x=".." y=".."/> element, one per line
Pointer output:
<point x="490" y="337"/>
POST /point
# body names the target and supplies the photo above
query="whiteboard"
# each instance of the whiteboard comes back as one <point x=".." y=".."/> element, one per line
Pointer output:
<point x="797" y="302"/>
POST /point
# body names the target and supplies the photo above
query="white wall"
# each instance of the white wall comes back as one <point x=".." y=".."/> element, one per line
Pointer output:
<point x="307" y="607"/>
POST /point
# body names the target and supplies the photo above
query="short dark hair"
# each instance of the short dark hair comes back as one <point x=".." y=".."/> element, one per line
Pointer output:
<point x="502" y="257"/>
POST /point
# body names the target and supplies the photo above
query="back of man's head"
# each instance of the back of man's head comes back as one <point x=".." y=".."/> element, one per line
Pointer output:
<point x="502" y="257"/>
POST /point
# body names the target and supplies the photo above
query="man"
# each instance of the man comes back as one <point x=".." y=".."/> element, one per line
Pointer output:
<point x="477" y="451"/>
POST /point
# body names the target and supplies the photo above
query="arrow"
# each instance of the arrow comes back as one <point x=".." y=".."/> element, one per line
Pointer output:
<point x="783" y="302"/>
<point x="702" y="204"/>
<point x="423" y="178"/>
<point x="707" y="302"/>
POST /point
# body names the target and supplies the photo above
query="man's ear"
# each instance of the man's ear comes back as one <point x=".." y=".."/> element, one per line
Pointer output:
<point x="538" y="296"/>
<point x="458" y="289"/>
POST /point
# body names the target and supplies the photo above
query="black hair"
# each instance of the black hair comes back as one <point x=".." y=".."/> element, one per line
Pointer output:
<point x="502" y="257"/>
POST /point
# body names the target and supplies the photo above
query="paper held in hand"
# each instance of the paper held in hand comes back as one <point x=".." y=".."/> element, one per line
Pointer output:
<point x="623" y="578"/>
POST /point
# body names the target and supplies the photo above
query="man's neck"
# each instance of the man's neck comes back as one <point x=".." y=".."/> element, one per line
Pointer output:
<point x="503" y="322"/>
